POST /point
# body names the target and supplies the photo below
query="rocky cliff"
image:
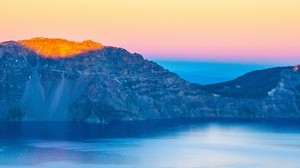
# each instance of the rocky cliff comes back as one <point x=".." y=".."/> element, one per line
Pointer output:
<point x="269" y="93"/>
<point x="110" y="84"/>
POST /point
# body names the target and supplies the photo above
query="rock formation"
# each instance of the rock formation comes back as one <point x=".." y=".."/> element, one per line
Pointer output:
<point x="110" y="84"/>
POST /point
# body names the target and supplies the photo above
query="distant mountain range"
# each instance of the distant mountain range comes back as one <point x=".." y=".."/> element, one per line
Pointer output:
<point x="103" y="84"/>
<point x="205" y="73"/>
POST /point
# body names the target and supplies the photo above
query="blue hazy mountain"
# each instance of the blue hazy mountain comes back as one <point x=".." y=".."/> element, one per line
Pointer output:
<point x="210" y="72"/>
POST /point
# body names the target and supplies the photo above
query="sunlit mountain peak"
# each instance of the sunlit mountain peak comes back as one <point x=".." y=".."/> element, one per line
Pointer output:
<point x="58" y="48"/>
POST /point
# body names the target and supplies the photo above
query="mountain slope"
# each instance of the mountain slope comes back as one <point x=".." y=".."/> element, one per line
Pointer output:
<point x="111" y="84"/>
<point x="107" y="84"/>
<point x="275" y="90"/>
<point x="255" y="84"/>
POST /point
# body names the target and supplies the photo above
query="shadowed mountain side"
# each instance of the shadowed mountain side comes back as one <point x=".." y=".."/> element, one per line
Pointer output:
<point x="277" y="90"/>
<point x="255" y="84"/>
<point x="112" y="84"/>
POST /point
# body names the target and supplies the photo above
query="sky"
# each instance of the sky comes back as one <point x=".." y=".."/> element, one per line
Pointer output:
<point x="256" y="31"/>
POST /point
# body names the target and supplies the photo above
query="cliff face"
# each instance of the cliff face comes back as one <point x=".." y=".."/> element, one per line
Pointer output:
<point x="107" y="84"/>
<point x="269" y="93"/>
<point x="112" y="84"/>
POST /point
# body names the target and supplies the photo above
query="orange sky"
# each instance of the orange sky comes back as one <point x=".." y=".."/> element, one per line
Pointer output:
<point x="229" y="30"/>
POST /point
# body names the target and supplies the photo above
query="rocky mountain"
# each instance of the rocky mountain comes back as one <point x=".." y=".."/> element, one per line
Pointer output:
<point x="109" y="84"/>
<point x="271" y="93"/>
<point x="256" y="84"/>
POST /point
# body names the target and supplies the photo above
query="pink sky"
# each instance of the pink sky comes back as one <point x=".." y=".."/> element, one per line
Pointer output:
<point x="220" y="30"/>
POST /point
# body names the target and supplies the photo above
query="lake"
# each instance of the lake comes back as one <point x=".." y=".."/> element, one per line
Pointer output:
<point x="167" y="143"/>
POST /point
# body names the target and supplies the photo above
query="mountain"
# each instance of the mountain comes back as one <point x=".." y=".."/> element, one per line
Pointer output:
<point x="274" y="92"/>
<point x="256" y="84"/>
<point x="45" y="79"/>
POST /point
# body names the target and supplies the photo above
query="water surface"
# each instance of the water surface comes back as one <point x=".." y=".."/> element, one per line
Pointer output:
<point x="151" y="144"/>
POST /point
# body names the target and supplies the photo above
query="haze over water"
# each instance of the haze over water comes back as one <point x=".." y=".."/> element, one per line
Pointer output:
<point x="150" y="144"/>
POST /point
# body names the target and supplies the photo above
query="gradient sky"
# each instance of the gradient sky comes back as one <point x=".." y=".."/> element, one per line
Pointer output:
<point x="213" y="30"/>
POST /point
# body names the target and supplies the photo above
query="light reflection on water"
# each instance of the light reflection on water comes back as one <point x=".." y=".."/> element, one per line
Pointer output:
<point x="198" y="145"/>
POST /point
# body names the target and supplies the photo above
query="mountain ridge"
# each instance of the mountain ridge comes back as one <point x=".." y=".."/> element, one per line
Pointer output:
<point x="250" y="82"/>
<point x="112" y="84"/>
<point x="57" y="47"/>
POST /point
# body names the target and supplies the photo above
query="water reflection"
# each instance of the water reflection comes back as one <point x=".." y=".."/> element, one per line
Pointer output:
<point x="152" y="144"/>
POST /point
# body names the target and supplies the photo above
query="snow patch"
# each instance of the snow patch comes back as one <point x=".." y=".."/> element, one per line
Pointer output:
<point x="281" y="86"/>
<point x="216" y="95"/>
<point x="271" y="93"/>
<point x="118" y="81"/>
<point x="55" y="70"/>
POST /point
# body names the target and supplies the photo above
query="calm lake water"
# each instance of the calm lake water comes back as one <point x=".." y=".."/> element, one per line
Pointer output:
<point x="186" y="144"/>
